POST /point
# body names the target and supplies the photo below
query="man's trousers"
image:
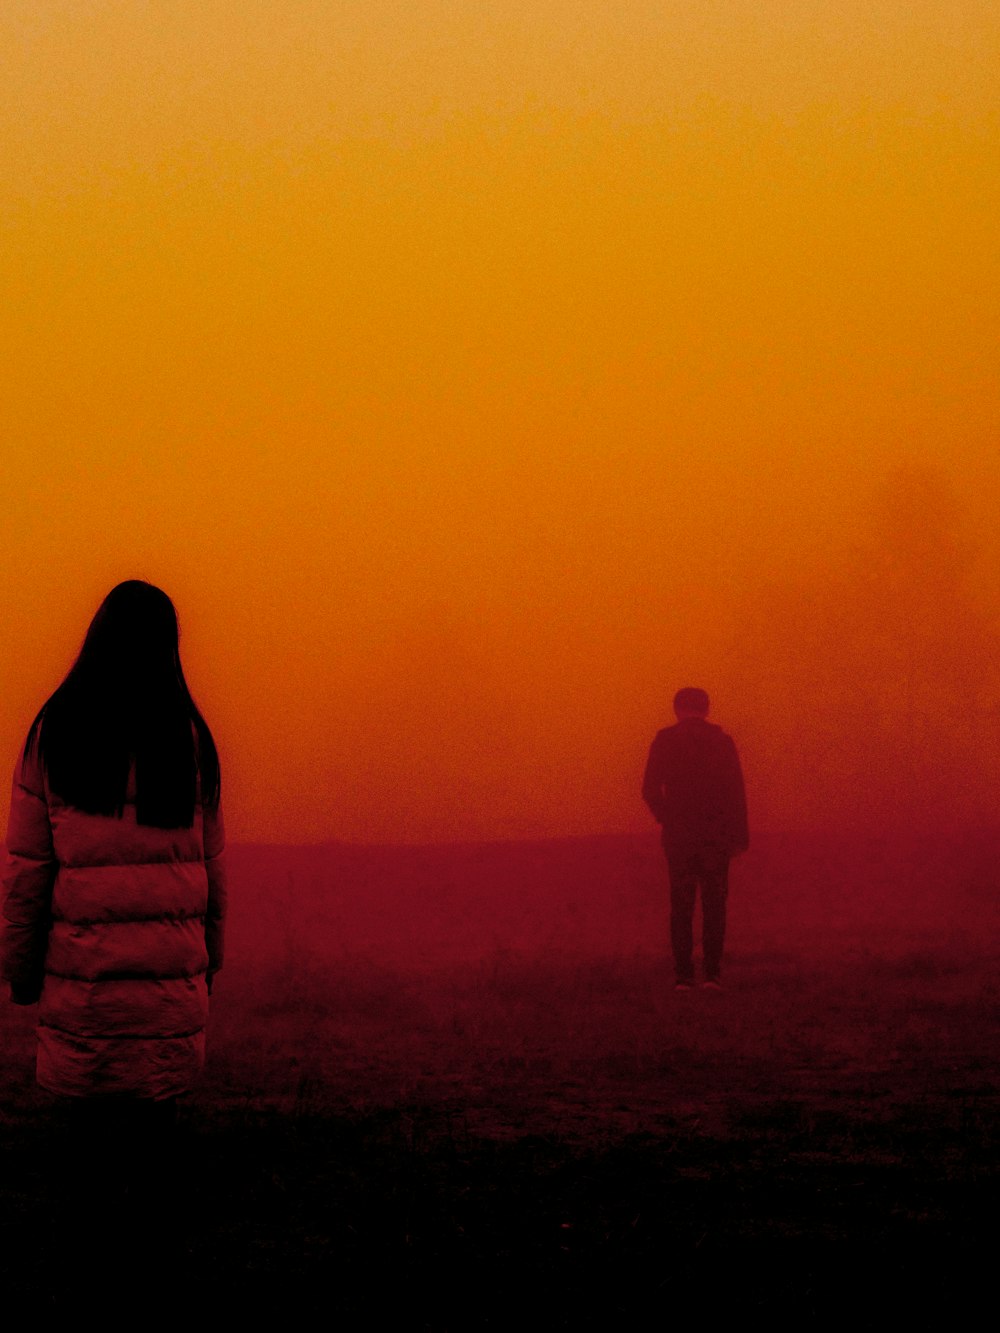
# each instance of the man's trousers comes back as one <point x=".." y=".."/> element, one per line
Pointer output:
<point x="690" y="869"/>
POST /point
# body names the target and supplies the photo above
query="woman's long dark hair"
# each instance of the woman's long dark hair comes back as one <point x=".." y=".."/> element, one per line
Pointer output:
<point x="125" y="699"/>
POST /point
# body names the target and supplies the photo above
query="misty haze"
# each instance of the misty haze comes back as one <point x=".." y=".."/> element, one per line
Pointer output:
<point x="455" y="1061"/>
<point x="470" y="378"/>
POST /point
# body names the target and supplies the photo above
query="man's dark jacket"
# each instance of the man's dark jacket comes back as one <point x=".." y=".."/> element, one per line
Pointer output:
<point x="694" y="786"/>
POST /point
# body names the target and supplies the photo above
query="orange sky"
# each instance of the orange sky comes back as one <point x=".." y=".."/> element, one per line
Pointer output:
<point x="472" y="374"/>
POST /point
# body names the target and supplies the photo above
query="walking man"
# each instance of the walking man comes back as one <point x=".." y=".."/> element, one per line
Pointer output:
<point x="694" y="786"/>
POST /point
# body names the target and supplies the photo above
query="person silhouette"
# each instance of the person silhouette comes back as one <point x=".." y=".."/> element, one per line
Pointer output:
<point x="114" y="908"/>
<point x="693" y="785"/>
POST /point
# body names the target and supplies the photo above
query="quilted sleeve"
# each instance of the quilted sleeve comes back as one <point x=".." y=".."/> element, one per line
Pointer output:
<point x="29" y="874"/>
<point x="215" y="864"/>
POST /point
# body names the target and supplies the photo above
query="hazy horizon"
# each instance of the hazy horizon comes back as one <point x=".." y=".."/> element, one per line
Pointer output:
<point x="474" y="377"/>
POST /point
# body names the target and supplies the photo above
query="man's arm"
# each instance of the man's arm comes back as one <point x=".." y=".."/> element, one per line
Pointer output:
<point x="652" y="783"/>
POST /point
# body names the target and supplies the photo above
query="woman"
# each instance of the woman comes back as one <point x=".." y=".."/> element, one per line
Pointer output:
<point x="114" y="889"/>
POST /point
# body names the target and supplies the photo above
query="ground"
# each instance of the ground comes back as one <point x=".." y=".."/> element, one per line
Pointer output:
<point x="455" y="1087"/>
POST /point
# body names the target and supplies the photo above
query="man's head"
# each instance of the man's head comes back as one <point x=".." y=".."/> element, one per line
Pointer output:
<point x="691" y="702"/>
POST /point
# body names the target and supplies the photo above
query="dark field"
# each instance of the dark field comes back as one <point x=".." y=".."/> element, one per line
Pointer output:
<point x="454" y="1088"/>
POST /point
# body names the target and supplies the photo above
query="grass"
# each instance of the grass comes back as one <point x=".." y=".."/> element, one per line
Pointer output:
<point x="553" y="1138"/>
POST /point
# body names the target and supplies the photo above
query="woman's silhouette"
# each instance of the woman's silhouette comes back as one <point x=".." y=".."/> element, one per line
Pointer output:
<point x="115" y="898"/>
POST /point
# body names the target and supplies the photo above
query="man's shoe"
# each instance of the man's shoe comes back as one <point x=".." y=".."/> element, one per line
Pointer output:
<point x="684" y="985"/>
<point x="711" y="983"/>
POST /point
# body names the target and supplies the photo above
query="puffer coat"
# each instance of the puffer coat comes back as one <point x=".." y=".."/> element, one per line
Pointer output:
<point x="117" y="929"/>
